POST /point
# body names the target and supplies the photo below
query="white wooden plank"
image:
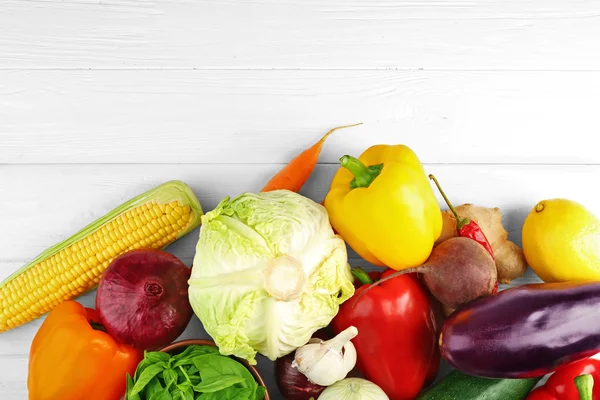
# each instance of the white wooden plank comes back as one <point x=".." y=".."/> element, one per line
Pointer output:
<point x="13" y="385"/>
<point x="43" y="204"/>
<point x="531" y="34"/>
<point x="269" y="116"/>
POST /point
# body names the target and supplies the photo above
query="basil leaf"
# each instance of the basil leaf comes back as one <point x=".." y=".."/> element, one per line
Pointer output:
<point x="192" y="370"/>
<point x="157" y="356"/>
<point x="129" y="388"/>
<point x="183" y="386"/>
<point x="162" y="395"/>
<point x="170" y="377"/>
<point x="188" y="394"/>
<point x="153" y="386"/>
<point x="185" y="358"/>
<point x="231" y="393"/>
<point x="259" y="394"/>
<point x="146" y="377"/>
<point x="145" y="363"/>
<point x="213" y="366"/>
<point x="183" y="376"/>
<point x="215" y="384"/>
<point x="176" y="394"/>
<point x="195" y="350"/>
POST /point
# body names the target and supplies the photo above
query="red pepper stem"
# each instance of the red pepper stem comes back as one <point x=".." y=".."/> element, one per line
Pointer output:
<point x="585" y="386"/>
<point x="461" y="222"/>
<point x="362" y="276"/>
<point x="387" y="278"/>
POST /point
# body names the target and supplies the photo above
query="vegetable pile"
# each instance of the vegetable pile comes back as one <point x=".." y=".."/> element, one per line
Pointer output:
<point x="270" y="277"/>
<point x="197" y="372"/>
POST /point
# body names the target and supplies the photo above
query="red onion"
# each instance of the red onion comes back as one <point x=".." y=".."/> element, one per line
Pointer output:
<point x="293" y="384"/>
<point x="142" y="298"/>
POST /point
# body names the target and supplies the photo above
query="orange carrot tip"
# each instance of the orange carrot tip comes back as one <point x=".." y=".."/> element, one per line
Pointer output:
<point x="296" y="173"/>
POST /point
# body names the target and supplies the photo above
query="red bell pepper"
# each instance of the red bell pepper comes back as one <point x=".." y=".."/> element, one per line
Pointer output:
<point x="397" y="324"/>
<point x="561" y="384"/>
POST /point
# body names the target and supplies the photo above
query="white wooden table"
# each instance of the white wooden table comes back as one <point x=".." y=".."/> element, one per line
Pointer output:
<point x="103" y="99"/>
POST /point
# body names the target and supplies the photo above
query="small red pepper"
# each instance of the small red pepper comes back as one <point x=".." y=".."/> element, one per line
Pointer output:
<point x="561" y="384"/>
<point x="467" y="227"/>
<point x="397" y="342"/>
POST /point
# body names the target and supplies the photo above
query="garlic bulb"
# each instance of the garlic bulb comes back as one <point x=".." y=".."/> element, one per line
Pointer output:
<point x="325" y="363"/>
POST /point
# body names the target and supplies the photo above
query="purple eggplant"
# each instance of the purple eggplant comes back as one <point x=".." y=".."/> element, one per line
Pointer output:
<point x="524" y="332"/>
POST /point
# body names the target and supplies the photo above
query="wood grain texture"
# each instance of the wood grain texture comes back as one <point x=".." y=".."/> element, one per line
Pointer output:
<point x="269" y="116"/>
<point x="457" y="34"/>
<point x="48" y="203"/>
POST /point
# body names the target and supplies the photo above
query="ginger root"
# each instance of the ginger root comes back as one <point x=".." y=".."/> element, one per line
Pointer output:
<point x="510" y="261"/>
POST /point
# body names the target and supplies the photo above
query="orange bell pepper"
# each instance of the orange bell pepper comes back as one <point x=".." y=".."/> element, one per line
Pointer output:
<point x="71" y="358"/>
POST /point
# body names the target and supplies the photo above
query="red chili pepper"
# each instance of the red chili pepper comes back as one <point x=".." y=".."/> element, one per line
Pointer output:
<point x="561" y="384"/>
<point x="397" y="341"/>
<point x="467" y="227"/>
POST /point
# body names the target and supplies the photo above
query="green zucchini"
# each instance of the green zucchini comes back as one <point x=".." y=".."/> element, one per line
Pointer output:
<point x="459" y="386"/>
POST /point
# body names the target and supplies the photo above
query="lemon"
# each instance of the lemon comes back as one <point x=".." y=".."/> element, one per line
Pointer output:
<point x="561" y="241"/>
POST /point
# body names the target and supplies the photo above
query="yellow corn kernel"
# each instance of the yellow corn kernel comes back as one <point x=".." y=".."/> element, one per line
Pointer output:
<point x="78" y="267"/>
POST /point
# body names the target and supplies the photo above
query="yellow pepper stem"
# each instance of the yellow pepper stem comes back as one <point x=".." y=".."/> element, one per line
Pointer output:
<point x="363" y="175"/>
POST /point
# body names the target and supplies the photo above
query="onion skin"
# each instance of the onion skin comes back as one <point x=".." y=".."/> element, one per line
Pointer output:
<point x="293" y="384"/>
<point x="142" y="298"/>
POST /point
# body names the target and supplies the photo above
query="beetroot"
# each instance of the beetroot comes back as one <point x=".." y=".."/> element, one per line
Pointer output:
<point x="458" y="271"/>
<point x="142" y="298"/>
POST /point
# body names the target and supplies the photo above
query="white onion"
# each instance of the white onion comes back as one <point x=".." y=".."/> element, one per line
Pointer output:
<point x="353" y="389"/>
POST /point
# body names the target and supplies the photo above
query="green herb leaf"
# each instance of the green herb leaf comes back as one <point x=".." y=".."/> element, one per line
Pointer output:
<point x="145" y="363"/>
<point x="163" y="395"/>
<point x="182" y="375"/>
<point x="157" y="356"/>
<point x="146" y="376"/>
<point x="196" y="350"/>
<point x="185" y="357"/>
<point x="259" y="394"/>
<point x="215" y="384"/>
<point x="188" y="394"/>
<point x="153" y="386"/>
<point x="214" y="366"/>
<point x="129" y="388"/>
<point x="231" y="393"/>
<point x="170" y="377"/>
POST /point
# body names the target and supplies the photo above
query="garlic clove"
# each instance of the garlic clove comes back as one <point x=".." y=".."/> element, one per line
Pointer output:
<point x="327" y="362"/>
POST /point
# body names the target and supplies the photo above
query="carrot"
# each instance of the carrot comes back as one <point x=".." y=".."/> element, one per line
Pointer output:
<point x="296" y="173"/>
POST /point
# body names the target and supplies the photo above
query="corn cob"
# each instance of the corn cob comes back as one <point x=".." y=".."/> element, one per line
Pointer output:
<point x="154" y="219"/>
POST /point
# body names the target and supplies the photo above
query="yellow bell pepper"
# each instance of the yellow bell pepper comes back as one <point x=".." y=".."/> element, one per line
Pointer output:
<point x="383" y="205"/>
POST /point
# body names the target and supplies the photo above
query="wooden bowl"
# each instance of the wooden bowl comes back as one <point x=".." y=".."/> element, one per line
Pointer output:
<point x="181" y="345"/>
